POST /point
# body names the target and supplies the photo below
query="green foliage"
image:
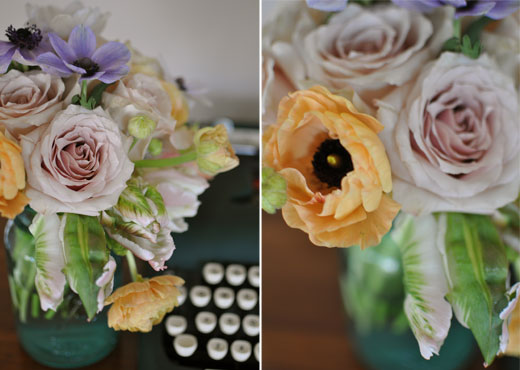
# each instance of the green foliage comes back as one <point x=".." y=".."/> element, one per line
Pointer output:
<point x="85" y="257"/>
<point x="477" y="267"/>
<point x="116" y="247"/>
<point x="469" y="44"/>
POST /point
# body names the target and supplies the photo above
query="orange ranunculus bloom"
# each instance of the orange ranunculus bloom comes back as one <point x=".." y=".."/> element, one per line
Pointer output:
<point x="513" y="346"/>
<point x="12" y="178"/>
<point x="140" y="305"/>
<point x="336" y="169"/>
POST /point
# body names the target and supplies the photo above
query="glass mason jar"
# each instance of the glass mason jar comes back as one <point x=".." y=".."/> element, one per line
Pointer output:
<point x="62" y="338"/>
<point x="371" y="283"/>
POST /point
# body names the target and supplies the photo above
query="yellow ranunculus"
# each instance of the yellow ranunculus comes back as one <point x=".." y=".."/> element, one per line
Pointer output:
<point x="12" y="178"/>
<point x="180" y="109"/>
<point x="513" y="346"/>
<point x="336" y="169"/>
<point x="214" y="151"/>
<point x="140" y="305"/>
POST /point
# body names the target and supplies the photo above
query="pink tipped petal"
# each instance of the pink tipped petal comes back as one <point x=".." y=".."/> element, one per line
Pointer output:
<point x="6" y="58"/>
<point x="52" y="64"/>
<point x="111" y="55"/>
<point x="62" y="48"/>
<point x="111" y="76"/>
<point x="83" y="41"/>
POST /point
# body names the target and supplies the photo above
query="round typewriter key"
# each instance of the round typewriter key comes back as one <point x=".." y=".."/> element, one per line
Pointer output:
<point x="229" y="323"/>
<point x="240" y="350"/>
<point x="175" y="325"/>
<point x="236" y="274"/>
<point x="257" y="351"/>
<point x="217" y="348"/>
<point x="253" y="275"/>
<point x="183" y="293"/>
<point x="251" y="325"/>
<point x="247" y="299"/>
<point x="205" y="322"/>
<point x="200" y="295"/>
<point x="185" y="345"/>
<point x="213" y="273"/>
<point x="224" y="297"/>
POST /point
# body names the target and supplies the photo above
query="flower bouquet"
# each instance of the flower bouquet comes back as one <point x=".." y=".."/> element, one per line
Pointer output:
<point x="394" y="125"/>
<point x="98" y="163"/>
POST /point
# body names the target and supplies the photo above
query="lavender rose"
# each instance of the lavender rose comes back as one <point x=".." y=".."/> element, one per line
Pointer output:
<point x="452" y="137"/>
<point x="372" y="50"/>
<point x="31" y="99"/>
<point x="78" y="163"/>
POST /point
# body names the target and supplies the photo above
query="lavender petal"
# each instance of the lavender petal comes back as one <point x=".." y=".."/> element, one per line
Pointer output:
<point x="503" y="8"/>
<point x="114" y="75"/>
<point x="327" y="5"/>
<point x="95" y="76"/>
<point x="419" y="6"/>
<point x="5" y="46"/>
<point x="83" y="41"/>
<point x="62" y="48"/>
<point x="111" y="55"/>
<point x="480" y="8"/>
<point x="53" y="65"/>
<point x="6" y="57"/>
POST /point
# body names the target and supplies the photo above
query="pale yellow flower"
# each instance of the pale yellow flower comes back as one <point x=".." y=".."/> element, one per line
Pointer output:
<point x="140" y="305"/>
<point x="180" y="110"/>
<point x="12" y="178"/>
<point x="214" y="151"/>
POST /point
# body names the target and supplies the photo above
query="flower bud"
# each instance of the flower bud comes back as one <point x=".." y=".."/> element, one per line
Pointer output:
<point x="141" y="126"/>
<point x="274" y="190"/>
<point x="214" y="152"/>
<point x="155" y="147"/>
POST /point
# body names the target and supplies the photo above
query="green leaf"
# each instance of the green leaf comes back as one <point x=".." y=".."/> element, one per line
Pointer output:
<point x="86" y="254"/>
<point x="452" y="44"/>
<point x="477" y="269"/>
<point x="97" y="93"/>
<point x="76" y="100"/>
<point x="474" y="30"/>
<point x="429" y="314"/>
<point x="115" y="246"/>
<point x="472" y="51"/>
<point x="24" y="270"/>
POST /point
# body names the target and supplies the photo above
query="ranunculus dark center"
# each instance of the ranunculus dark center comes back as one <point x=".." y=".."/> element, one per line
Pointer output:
<point x="332" y="162"/>
<point x="88" y="65"/>
<point x="25" y="38"/>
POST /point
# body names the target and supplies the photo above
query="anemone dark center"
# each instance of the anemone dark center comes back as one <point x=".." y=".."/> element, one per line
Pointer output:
<point x="331" y="162"/>
<point x="26" y="37"/>
<point x="181" y="84"/>
<point x="88" y="65"/>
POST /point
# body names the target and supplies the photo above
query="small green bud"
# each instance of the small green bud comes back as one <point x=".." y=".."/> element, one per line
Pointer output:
<point x="155" y="147"/>
<point x="214" y="151"/>
<point x="141" y="126"/>
<point x="274" y="190"/>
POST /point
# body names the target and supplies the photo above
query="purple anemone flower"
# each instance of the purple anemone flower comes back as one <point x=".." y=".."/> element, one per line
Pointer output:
<point x="327" y="5"/>
<point x="79" y="55"/>
<point x="24" y="45"/>
<point x="495" y="9"/>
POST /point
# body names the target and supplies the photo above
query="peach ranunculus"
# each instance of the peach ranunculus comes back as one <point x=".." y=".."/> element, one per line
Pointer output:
<point x="12" y="178"/>
<point x="336" y="169"/>
<point x="140" y="305"/>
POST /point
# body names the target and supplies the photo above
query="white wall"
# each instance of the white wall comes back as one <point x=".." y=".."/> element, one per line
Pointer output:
<point x="212" y="41"/>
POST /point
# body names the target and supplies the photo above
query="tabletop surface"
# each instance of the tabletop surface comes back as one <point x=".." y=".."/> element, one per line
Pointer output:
<point x="303" y="323"/>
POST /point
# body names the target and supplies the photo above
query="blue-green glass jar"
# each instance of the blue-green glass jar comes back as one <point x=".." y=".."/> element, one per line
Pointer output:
<point x="371" y="283"/>
<point x="62" y="338"/>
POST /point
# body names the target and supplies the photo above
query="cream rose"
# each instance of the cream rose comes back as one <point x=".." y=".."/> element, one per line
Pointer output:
<point x="452" y="137"/>
<point x="31" y="99"/>
<point x="61" y="21"/>
<point x="372" y="50"/>
<point x="77" y="163"/>
<point x="141" y="94"/>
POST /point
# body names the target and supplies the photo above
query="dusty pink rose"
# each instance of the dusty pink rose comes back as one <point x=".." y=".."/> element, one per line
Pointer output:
<point x="371" y="50"/>
<point x="31" y="99"/>
<point x="452" y="137"/>
<point x="77" y="163"/>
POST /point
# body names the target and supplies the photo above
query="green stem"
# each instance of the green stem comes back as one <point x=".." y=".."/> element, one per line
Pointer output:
<point x="167" y="162"/>
<point x="83" y="92"/>
<point x="133" y="144"/>
<point x="456" y="28"/>
<point x="133" y="267"/>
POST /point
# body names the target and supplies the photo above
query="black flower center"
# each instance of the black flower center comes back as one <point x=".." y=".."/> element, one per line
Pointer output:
<point x="88" y="65"/>
<point x="25" y="38"/>
<point x="181" y="84"/>
<point x="332" y="162"/>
